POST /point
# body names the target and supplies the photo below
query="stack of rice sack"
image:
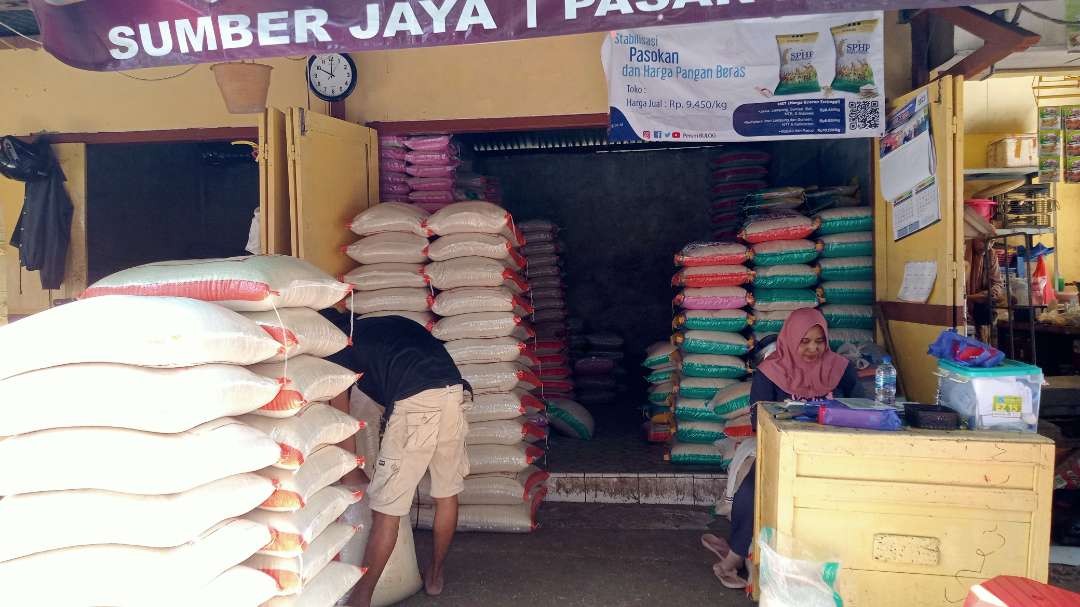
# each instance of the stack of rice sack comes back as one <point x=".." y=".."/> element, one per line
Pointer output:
<point x="472" y="186"/>
<point x="733" y="174"/>
<point x="418" y="170"/>
<point x="392" y="251"/>
<point x="597" y="369"/>
<point x="483" y="308"/>
<point x="846" y="239"/>
<point x="710" y="345"/>
<point x="177" y="451"/>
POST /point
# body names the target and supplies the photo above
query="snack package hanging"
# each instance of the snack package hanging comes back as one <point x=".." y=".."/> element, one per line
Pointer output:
<point x="797" y="72"/>
<point x="854" y="48"/>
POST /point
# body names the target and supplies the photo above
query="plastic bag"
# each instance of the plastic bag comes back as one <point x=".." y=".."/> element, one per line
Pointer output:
<point x="23" y="161"/>
<point x="965" y="351"/>
<point x="796" y="579"/>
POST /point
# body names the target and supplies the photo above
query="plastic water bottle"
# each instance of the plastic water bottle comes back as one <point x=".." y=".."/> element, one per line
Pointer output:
<point x="885" y="383"/>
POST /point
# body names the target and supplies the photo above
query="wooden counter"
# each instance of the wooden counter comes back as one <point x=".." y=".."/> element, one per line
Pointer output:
<point x="916" y="516"/>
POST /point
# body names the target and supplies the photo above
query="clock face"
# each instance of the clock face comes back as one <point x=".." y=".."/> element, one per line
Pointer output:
<point x="332" y="77"/>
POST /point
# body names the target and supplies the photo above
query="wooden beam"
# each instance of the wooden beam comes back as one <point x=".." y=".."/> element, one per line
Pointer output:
<point x="250" y="133"/>
<point x="1001" y="39"/>
<point x="924" y="314"/>
<point x="491" y="125"/>
<point x="920" y="49"/>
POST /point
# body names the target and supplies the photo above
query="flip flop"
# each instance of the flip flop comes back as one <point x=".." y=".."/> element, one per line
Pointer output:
<point x="731" y="581"/>
<point x="715" y="545"/>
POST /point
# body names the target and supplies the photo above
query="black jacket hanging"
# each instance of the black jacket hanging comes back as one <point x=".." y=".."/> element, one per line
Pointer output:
<point x="43" y="231"/>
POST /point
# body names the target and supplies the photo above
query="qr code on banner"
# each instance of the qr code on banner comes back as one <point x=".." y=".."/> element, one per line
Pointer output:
<point x="864" y="115"/>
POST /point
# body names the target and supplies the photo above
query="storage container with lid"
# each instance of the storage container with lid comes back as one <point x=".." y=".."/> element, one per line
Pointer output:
<point x="1005" y="397"/>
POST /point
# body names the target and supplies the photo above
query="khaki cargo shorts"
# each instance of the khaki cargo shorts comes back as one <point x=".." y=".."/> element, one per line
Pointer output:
<point x="425" y="432"/>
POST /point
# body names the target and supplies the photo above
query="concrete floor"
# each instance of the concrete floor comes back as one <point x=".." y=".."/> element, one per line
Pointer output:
<point x="586" y="555"/>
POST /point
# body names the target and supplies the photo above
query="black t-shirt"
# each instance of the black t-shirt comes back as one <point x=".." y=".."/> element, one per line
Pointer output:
<point x="398" y="357"/>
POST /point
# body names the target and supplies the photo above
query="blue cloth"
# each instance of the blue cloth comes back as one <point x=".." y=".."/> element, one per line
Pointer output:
<point x="965" y="351"/>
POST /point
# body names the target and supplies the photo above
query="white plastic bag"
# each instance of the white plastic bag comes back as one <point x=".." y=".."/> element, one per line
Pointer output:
<point x="130" y="461"/>
<point x="502" y="405"/>
<point x="390" y="217"/>
<point x="36" y="522"/>
<point x="389" y="247"/>
<point x="294" y="573"/>
<point x="482" y="325"/>
<point x="294" y="531"/>
<point x="124" y="329"/>
<point x="122" y="396"/>
<point x="401" y="577"/>
<point x="469" y="300"/>
<point x="301" y="331"/>
<point x="799" y="578"/>
<point x="293" y="488"/>
<point x="304" y="379"/>
<point x="254" y="239"/>
<point x="316" y="425"/>
<point x="473" y="272"/>
<point x="376" y="276"/>
<point x="413" y="299"/>
<point x="247" y="284"/>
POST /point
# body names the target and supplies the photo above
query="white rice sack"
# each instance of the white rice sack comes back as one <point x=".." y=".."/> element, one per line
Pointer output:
<point x="333" y="582"/>
<point x="766" y="321"/>
<point x="389" y="247"/>
<point x="520" y="518"/>
<point x="131" y="461"/>
<point x="301" y="331"/>
<point x="112" y="574"/>
<point x="486" y="459"/>
<point x="499" y="488"/>
<point x="839" y="337"/>
<point x="424" y="319"/>
<point x="122" y="396"/>
<point x="482" y="325"/>
<point x="391" y="300"/>
<point x="503" y="405"/>
<point x="781" y="226"/>
<point x="504" y="432"/>
<point x="294" y="574"/>
<point x="143" y="331"/>
<point x="479" y="351"/>
<point x="570" y="419"/>
<point x="491" y="246"/>
<point x="239" y="586"/>
<point x="293" y="531"/>
<point x="469" y="300"/>
<point x="390" y="217"/>
<point x="376" y="276"/>
<point x="474" y="217"/>
<point x="401" y="577"/>
<point x="247" y="284"/>
<point x="327" y="465"/>
<point x="37" y="522"/>
<point x="473" y="272"/>
<point x="316" y="425"/>
<point x="304" y="379"/>
<point x="499" y="377"/>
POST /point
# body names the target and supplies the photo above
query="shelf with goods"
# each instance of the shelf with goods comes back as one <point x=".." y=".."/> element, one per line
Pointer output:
<point x="430" y="172"/>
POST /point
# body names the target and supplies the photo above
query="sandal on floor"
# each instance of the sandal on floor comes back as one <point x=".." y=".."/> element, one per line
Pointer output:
<point x="729" y="580"/>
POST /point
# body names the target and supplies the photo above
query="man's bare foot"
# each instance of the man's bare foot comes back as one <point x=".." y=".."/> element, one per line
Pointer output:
<point x="433" y="582"/>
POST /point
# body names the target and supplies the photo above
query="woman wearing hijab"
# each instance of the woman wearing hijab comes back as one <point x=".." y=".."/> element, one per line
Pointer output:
<point x="802" y="367"/>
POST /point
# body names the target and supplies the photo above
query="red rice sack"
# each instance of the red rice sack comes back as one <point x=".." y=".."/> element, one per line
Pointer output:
<point x="546" y="282"/>
<point x="482" y="325"/>
<point x="389" y="247"/>
<point x="537" y="248"/>
<point x="492" y="246"/>
<point x="294" y="531"/>
<point x="739" y="173"/>
<point x="488" y="459"/>
<point x="123" y="396"/>
<point x="503" y="405"/>
<point x="143" y="331"/>
<point x="547" y="347"/>
<point x="438" y="172"/>
<point x="499" y="377"/>
<point x="544" y="261"/>
<point x="473" y="272"/>
<point x="393" y="165"/>
<point x="546" y="373"/>
<point x="131" y="461"/>
<point x="430" y="184"/>
<point x="293" y="488"/>
<point x="740" y="158"/>
<point x="378" y="276"/>
<point x="531" y="237"/>
<point x="315" y="426"/>
<point x="248" y="284"/>
<point x="427" y="143"/>
<point x="777" y="227"/>
<point x="424" y="319"/>
<point x="736" y="188"/>
<point x="498" y="488"/>
<point x="504" y="432"/>
<point x="431" y="158"/>
<point x="384" y="300"/>
<point x="714" y="298"/>
<point x="712" y="254"/>
<point x="301" y="331"/>
<point x="468" y="300"/>
<point x="712" y="276"/>
<point x="550" y="315"/>
<point x="480" y="351"/>
<point x="556" y="294"/>
<point x="543" y="272"/>
<point x="304" y="379"/>
<point x="390" y="217"/>
<point x="476" y="217"/>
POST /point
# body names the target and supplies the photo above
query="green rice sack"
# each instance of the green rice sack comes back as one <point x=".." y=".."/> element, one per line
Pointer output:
<point x="712" y="342"/>
<point x="847" y="268"/>
<point x="731" y="321"/>
<point x="658" y="355"/>
<point x="783" y="252"/>
<point x="570" y="419"/>
<point x="695" y="409"/>
<point x="842" y="221"/>
<point x="851" y="244"/>
<point x="660" y="393"/>
<point x="702" y="387"/>
<point x="785" y="276"/>
<point x="691" y="454"/>
<point x="661" y="375"/>
<point x="847" y="316"/>
<point x="771" y="300"/>
<point x="797" y="72"/>
<point x="770" y="322"/>
<point x="731" y="401"/>
<point x="854" y="44"/>
<point x="839" y="337"/>
<point x="699" y="432"/>
<point x="713" y="366"/>
<point x="848" y="292"/>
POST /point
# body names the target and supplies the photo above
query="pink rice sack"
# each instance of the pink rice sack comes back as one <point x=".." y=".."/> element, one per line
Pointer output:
<point x="431" y="184"/>
<point x="427" y="143"/>
<point x="714" y="298"/>
<point x="425" y="196"/>
<point x="419" y="170"/>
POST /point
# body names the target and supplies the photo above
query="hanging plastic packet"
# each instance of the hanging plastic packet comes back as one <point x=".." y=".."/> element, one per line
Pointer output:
<point x="854" y="48"/>
<point x="797" y="72"/>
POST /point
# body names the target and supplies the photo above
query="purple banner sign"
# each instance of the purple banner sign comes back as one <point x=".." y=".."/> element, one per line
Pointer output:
<point x="128" y="34"/>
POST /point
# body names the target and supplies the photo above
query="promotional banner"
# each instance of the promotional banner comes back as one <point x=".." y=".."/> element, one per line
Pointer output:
<point x="128" y="34"/>
<point x="807" y="77"/>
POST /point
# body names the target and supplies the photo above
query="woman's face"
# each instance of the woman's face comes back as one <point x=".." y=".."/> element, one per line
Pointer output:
<point x="812" y="345"/>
